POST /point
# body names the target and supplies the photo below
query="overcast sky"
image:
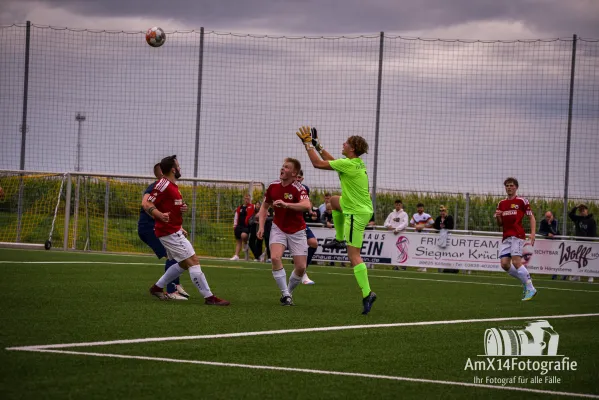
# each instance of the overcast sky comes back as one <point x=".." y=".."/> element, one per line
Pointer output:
<point x="455" y="19"/>
<point x="455" y="117"/>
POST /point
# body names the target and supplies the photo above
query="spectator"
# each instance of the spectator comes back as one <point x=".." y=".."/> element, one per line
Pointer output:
<point x="1" y="193"/>
<point x="548" y="226"/>
<point x="327" y="216"/>
<point x="397" y="221"/>
<point x="327" y="198"/>
<point x="419" y="221"/>
<point x="584" y="224"/>
<point x="444" y="223"/>
<point x="254" y="243"/>
<point x="241" y="226"/>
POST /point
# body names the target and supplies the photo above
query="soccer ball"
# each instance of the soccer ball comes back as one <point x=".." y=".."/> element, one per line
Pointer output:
<point x="155" y="37"/>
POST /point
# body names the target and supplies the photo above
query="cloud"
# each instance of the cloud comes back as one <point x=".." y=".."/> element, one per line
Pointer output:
<point x="454" y="115"/>
<point x="433" y="18"/>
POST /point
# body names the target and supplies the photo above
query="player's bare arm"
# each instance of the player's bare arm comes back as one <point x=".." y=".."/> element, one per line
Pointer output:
<point x="262" y="215"/>
<point x="152" y="211"/>
<point x="302" y="206"/>
<point x="145" y="204"/>
<point x="304" y="133"/>
<point x="533" y="229"/>
<point x="318" y="146"/>
<point x="498" y="218"/>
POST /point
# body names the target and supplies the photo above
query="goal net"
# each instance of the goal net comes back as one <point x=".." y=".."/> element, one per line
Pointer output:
<point x="30" y="208"/>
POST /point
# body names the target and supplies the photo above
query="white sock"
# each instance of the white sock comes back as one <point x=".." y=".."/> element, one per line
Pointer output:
<point x="525" y="277"/>
<point x="199" y="280"/>
<point x="172" y="273"/>
<point x="514" y="272"/>
<point x="294" y="280"/>
<point x="281" y="280"/>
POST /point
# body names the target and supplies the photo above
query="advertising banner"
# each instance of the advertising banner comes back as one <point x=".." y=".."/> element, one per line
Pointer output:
<point x="468" y="252"/>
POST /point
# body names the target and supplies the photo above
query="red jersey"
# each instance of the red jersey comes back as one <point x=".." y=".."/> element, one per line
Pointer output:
<point x="512" y="213"/>
<point x="167" y="198"/>
<point x="289" y="221"/>
<point x="243" y="214"/>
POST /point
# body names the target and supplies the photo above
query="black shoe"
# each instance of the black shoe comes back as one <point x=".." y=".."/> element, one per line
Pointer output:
<point x="335" y="244"/>
<point x="286" y="301"/>
<point x="367" y="302"/>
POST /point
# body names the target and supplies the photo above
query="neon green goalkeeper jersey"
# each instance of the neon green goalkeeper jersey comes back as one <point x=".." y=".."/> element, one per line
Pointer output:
<point x="355" y="198"/>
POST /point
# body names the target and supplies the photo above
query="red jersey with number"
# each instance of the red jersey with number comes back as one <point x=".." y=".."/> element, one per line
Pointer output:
<point x="512" y="213"/>
<point x="167" y="199"/>
<point x="289" y="221"/>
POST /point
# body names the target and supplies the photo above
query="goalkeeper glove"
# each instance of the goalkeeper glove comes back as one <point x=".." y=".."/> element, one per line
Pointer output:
<point x="315" y="141"/>
<point x="304" y="135"/>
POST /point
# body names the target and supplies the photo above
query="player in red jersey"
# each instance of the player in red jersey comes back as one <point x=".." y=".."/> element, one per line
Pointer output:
<point x="164" y="205"/>
<point x="290" y="201"/>
<point x="509" y="215"/>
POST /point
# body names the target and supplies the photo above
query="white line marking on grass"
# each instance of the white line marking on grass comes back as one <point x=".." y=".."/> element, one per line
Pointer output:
<point x="298" y="330"/>
<point x="323" y="372"/>
<point x="318" y="272"/>
<point x="467" y="282"/>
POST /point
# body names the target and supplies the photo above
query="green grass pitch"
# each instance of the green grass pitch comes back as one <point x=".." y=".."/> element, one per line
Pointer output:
<point x="63" y="298"/>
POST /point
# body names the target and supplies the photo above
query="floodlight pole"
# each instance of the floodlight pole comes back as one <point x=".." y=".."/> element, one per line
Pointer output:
<point x="80" y="118"/>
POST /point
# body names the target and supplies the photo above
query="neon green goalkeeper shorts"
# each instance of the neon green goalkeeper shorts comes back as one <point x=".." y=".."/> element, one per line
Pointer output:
<point x="353" y="231"/>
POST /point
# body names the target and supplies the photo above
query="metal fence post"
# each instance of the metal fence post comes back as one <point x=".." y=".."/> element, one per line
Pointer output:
<point x="570" y="103"/>
<point x="76" y="212"/>
<point x="217" y="207"/>
<point x="23" y="130"/>
<point x="198" y="121"/>
<point x="467" y="212"/>
<point x="106" y="203"/>
<point x="377" y="123"/>
<point x="455" y="215"/>
<point x="67" y="214"/>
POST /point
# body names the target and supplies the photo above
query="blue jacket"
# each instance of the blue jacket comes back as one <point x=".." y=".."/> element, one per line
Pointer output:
<point x="545" y="228"/>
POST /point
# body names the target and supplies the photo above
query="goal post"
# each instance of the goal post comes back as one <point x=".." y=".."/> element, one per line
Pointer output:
<point x="30" y="207"/>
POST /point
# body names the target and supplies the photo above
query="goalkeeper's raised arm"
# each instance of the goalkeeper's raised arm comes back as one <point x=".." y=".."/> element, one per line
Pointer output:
<point x="309" y="137"/>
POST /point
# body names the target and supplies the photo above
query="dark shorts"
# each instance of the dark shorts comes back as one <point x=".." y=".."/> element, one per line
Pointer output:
<point x="241" y="229"/>
<point x="149" y="238"/>
<point x="309" y="233"/>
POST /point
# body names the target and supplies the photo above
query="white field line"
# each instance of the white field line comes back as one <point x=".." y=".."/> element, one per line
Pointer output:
<point x="323" y="372"/>
<point x="466" y="282"/>
<point x="318" y="272"/>
<point x="298" y="330"/>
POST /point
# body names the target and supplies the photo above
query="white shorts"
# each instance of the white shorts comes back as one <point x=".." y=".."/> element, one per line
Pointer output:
<point x="177" y="246"/>
<point x="511" y="247"/>
<point x="295" y="242"/>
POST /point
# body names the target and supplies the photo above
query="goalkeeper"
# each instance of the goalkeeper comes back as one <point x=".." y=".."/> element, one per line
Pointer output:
<point x="353" y="209"/>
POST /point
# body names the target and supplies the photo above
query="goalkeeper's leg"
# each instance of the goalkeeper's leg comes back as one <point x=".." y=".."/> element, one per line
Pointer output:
<point x="339" y="222"/>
